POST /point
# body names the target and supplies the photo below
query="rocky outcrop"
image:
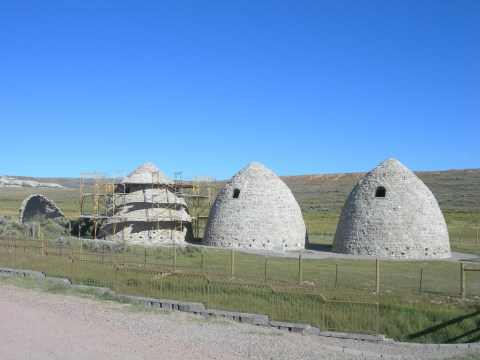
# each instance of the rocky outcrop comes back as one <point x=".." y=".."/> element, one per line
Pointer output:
<point x="38" y="205"/>
<point x="8" y="181"/>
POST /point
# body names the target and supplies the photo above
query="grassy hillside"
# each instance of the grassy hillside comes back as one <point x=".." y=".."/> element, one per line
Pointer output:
<point x="457" y="191"/>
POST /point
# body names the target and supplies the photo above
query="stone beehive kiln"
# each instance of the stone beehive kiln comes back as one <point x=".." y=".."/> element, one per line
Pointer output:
<point x="38" y="205"/>
<point x="147" y="210"/>
<point x="255" y="210"/>
<point x="392" y="213"/>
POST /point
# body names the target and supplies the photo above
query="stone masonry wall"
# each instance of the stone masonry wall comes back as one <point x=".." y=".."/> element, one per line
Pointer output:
<point x="255" y="210"/>
<point x="38" y="205"/>
<point x="404" y="223"/>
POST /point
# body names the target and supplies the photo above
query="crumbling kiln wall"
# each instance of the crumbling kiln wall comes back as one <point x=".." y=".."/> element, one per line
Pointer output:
<point x="36" y="205"/>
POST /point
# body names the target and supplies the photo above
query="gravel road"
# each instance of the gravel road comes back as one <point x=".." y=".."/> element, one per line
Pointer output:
<point x="37" y="325"/>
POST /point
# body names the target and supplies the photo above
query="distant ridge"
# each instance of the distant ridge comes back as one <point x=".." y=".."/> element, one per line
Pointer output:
<point x="362" y="174"/>
<point x="17" y="182"/>
<point x="353" y="175"/>
<point x="455" y="190"/>
<point x="70" y="182"/>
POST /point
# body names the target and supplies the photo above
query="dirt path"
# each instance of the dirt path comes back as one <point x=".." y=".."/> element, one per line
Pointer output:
<point x="37" y="325"/>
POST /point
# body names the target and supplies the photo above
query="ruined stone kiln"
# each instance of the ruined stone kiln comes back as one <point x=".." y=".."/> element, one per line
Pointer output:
<point x="38" y="205"/>
<point x="255" y="210"/>
<point x="392" y="213"/>
<point x="147" y="210"/>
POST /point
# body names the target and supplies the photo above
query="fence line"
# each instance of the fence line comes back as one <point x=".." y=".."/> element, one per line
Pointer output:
<point x="329" y="274"/>
<point x="302" y="290"/>
<point x="285" y="302"/>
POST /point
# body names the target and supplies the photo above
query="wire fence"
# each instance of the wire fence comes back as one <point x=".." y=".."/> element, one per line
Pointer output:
<point x="327" y="274"/>
<point x="196" y="283"/>
<point x="333" y="294"/>
<point x="464" y="235"/>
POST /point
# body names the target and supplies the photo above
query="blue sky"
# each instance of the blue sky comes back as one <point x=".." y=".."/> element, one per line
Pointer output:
<point x="206" y="87"/>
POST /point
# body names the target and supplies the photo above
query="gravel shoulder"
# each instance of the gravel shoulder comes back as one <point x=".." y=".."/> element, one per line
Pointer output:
<point x="38" y="325"/>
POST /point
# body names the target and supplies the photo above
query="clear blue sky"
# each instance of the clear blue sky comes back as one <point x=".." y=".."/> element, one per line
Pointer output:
<point x="206" y="87"/>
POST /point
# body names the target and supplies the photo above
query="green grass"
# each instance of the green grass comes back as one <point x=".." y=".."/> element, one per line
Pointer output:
<point x="60" y="287"/>
<point x="430" y="320"/>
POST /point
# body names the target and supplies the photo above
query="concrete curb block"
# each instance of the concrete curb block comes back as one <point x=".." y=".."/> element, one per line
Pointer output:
<point x="246" y="318"/>
<point x="199" y="309"/>
<point x="293" y="327"/>
<point x="18" y="272"/>
<point x="440" y="346"/>
<point x="168" y="304"/>
<point x="363" y="337"/>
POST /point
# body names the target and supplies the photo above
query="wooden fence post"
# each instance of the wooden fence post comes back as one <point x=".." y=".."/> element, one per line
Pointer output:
<point x="43" y="258"/>
<point x="377" y="276"/>
<point x="232" y="263"/>
<point x="336" y="273"/>
<point x="272" y="304"/>
<point x="161" y="285"/>
<point x="174" y="258"/>
<point x="462" y="280"/>
<point x="15" y="254"/>
<point x="208" y="292"/>
<point x="265" y="268"/>
<point x="300" y="270"/>
<point x="323" y="315"/>
<point x="72" y="259"/>
<point x="117" y="276"/>
<point x="421" y="281"/>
